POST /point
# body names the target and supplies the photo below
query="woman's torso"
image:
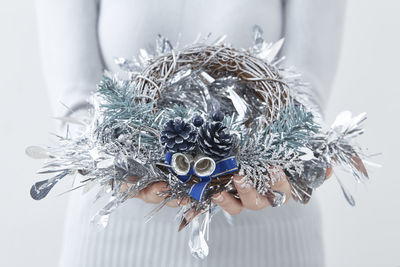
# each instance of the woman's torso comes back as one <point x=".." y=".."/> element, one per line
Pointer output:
<point x="125" y="26"/>
<point x="277" y="236"/>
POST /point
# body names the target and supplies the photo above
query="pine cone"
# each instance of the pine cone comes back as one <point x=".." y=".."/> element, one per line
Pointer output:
<point x="214" y="140"/>
<point x="178" y="136"/>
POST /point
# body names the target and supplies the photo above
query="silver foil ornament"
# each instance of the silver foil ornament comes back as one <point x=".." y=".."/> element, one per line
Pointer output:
<point x="197" y="242"/>
<point x="269" y="109"/>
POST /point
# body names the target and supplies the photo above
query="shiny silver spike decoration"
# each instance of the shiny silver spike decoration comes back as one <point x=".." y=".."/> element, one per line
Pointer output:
<point x="37" y="152"/>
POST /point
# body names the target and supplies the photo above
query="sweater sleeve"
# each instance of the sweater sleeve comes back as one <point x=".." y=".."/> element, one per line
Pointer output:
<point x="313" y="31"/>
<point x="71" y="57"/>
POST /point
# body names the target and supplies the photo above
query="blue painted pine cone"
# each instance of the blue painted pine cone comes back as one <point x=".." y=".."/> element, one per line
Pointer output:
<point x="214" y="140"/>
<point x="178" y="136"/>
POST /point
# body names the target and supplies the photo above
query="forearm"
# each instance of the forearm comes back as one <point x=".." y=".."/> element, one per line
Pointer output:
<point x="313" y="31"/>
<point x="71" y="56"/>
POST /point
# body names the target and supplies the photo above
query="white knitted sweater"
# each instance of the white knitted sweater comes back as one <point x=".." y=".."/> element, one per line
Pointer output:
<point x="80" y="38"/>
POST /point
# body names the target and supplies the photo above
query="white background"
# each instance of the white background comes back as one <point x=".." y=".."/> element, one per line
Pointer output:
<point x="367" y="80"/>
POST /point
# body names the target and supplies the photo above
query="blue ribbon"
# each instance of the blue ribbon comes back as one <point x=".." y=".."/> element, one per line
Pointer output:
<point x="224" y="166"/>
<point x="183" y="178"/>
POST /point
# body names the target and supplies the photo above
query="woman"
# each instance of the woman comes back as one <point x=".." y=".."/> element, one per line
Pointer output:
<point x="80" y="38"/>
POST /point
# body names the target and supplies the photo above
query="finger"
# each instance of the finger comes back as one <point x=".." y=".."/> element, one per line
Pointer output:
<point x="249" y="196"/>
<point x="125" y="187"/>
<point x="152" y="194"/>
<point x="177" y="202"/>
<point x="282" y="185"/>
<point x="226" y="201"/>
<point x="172" y="203"/>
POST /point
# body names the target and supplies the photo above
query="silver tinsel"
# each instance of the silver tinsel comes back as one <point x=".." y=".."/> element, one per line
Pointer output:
<point x="267" y="107"/>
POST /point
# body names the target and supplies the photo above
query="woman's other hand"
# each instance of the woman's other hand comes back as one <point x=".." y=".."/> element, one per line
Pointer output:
<point x="248" y="195"/>
<point x="154" y="194"/>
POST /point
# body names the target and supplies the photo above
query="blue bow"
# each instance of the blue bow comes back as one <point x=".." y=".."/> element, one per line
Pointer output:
<point x="224" y="166"/>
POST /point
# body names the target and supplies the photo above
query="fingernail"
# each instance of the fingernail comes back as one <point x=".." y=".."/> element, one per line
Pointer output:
<point x="241" y="181"/>
<point x="182" y="202"/>
<point x="161" y="194"/>
<point x="218" y="198"/>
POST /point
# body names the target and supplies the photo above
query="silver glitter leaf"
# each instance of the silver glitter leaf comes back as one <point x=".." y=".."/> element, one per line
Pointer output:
<point x="128" y="65"/>
<point x="276" y="198"/>
<point x="71" y="120"/>
<point x="308" y="154"/>
<point x="37" y="152"/>
<point x="359" y="165"/>
<point x="219" y="40"/>
<point x="197" y="243"/>
<point x="163" y="45"/>
<point x="269" y="53"/>
<point x="101" y="221"/>
<point x="346" y="193"/>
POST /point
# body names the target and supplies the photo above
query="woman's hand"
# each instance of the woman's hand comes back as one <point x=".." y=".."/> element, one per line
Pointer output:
<point x="248" y="195"/>
<point x="153" y="194"/>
